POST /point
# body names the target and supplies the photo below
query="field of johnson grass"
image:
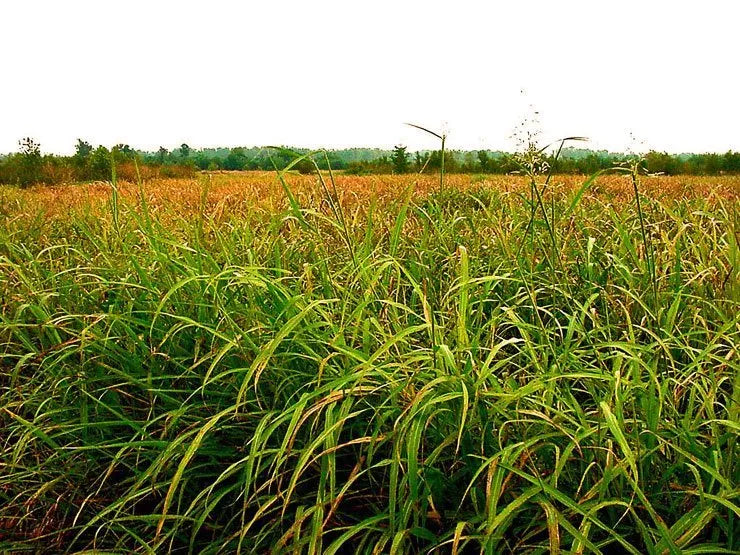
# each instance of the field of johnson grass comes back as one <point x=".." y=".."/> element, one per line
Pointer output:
<point x="229" y="365"/>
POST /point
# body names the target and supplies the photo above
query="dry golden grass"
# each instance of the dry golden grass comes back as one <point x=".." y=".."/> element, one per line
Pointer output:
<point x="222" y="194"/>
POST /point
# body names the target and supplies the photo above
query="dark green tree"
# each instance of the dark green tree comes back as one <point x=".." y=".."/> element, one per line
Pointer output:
<point x="161" y="155"/>
<point x="100" y="163"/>
<point x="236" y="160"/>
<point x="83" y="149"/>
<point x="400" y="159"/>
<point x="81" y="158"/>
<point x="731" y="162"/>
<point x="484" y="161"/>
<point x="184" y="150"/>
<point x="122" y="152"/>
<point x="30" y="161"/>
<point x="205" y="162"/>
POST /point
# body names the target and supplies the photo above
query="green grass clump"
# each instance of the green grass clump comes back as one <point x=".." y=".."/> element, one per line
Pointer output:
<point x="463" y="372"/>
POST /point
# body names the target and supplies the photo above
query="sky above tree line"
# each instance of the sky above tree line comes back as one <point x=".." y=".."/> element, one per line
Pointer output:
<point x="630" y="75"/>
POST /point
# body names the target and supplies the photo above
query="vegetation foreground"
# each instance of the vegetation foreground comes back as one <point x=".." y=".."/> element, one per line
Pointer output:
<point x="498" y="365"/>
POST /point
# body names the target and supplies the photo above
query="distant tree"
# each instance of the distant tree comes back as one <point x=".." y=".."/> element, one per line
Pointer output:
<point x="29" y="147"/>
<point x="184" y="150"/>
<point x="662" y="162"/>
<point x="731" y="162"/>
<point x="81" y="158"/>
<point x="484" y="161"/>
<point x="358" y="168"/>
<point x="236" y="159"/>
<point x="469" y="162"/>
<point x="161" y="155"/>
<point x="100" y="163"/>
<point x="204" y="162"/>
<point x="126" y="150"/>
<point x="712" y="163"/>
<point x="435" y="160"/>
<point x="122" y="152"/>
<point x="420" y="161"/>
<point x="83" y="149"/>
<point x="30" y="161"/>
<point x="400" y="159"/>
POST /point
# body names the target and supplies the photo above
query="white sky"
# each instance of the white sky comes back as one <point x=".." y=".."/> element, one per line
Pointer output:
<point x="349" y="73"/>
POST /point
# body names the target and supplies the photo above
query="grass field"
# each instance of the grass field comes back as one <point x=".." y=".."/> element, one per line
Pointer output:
<point x="380" y="365"/>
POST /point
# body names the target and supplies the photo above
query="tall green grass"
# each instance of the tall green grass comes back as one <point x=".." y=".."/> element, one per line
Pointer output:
<point x="444" y="374"/>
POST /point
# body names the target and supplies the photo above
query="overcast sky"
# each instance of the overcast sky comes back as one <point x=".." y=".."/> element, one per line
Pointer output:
<point x="349" y="73"/>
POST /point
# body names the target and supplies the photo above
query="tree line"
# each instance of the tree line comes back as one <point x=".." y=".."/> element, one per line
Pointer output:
<point x="570" y="161"/>
<point x="90" y="163"/>
<point x="29" y="165"/>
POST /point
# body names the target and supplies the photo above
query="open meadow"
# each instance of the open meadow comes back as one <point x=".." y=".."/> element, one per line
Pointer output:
<point x="371" y="364"/>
